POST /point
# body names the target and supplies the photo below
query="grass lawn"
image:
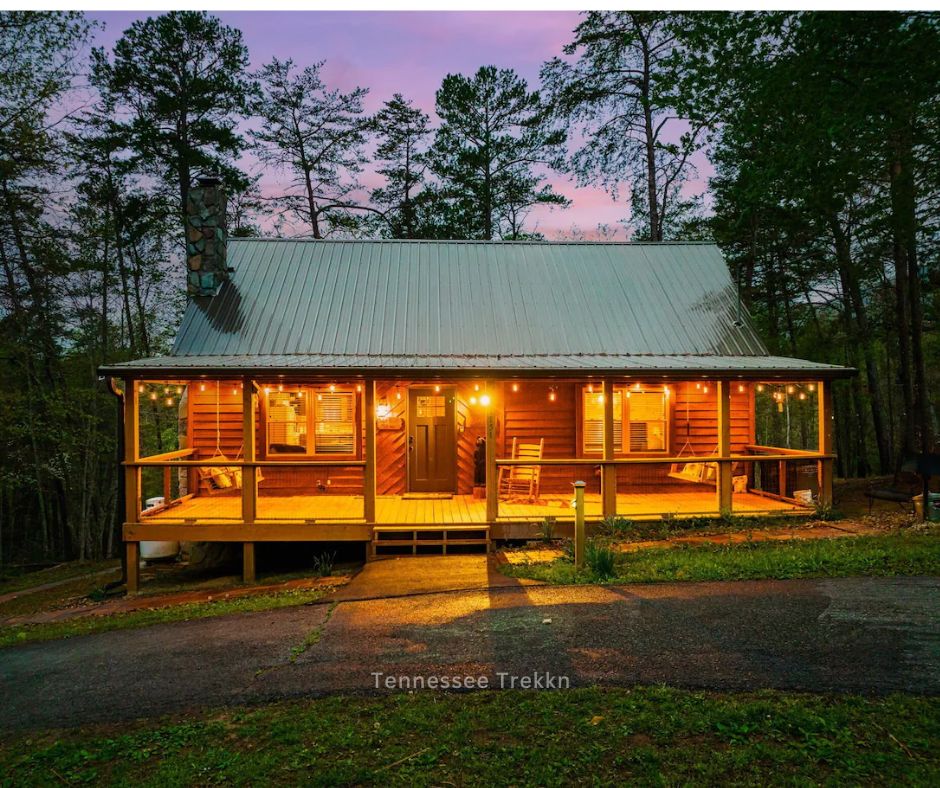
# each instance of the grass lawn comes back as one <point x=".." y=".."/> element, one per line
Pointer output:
<point x="645" y="736"/>
<point x="872" y="556"/>
<point x="24" y="633"/>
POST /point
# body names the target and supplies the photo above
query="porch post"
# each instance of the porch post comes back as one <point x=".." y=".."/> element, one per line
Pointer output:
<point x="492" y="481"/>
<point x="724" y="446"/>
<point x="826" y="443"/>
<point x="249" y="474"/>
<point x="609" y="472"/>
<point x="369" y="470"/>
<point x="131" y="480"/>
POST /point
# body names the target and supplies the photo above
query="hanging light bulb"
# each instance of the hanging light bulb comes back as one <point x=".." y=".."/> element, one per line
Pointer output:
<point x="802" y="395"/>
<point x="473" y="400"/>
<point x="760" y="386"/>
<point x="280" y="386"/>
<point x="153" y="395"/>
<point x="319" y="396"/>
<point x="636" y="386"/>
<point x="358" y="387"/>
<point x="332" y="387"/>
<point x="179" y="389"/>
<point x="665" y="390"/>
<point x="300" y="394"/>
<point x="202" y="386"/>
<point x="169" y="402"/>
<point x="600" y="399"/>
<point x="812" y="387"/>
<point x="234" y="391"/>
<point x="476" y="386"/>
<point x="791" y="389"/>
<point x="141" y="388"/>
<point x="705" y="389"/>
<point x="698" y="386"/>
<point x="740" y="388"/>
<point x="591" y="388"/>
<point x="515" y="386"/>
<point x="485" y="400"/>
<point x="551" y="394"/>
<point x="166" y="389"/>
<point x="397" y="394"/>
<point x="437" y="388"/>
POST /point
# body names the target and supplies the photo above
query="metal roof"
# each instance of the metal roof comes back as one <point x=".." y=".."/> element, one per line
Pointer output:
<point x="449" y="305"/>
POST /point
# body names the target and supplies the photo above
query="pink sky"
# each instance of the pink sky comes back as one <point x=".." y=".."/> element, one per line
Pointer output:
<point x="410" y="53"/>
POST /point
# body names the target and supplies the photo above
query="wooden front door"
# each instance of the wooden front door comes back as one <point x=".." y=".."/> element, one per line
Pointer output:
<point x="432" y="445"/>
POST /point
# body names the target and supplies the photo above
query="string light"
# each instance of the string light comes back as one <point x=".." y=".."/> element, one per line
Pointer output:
<point x="476" y="386"/>
<point x="485" y="400"/>
<point x="802" y="395"/>
<point x="179" y="389"/>
<point x="740" y="388"/>
<point x="358" y="388"/>
<point x="332" y="387"/>
<point x="636" y="386"/>
<point x="705" y="389"/>
<point x="790" y="389"/>
<point x="202" y="386"/>
<point x="600" y="399"/>
<point x="319" y="397"/>
<point x="300" y="394"/>
<point x="515" y="387"/>
<point x="280" y="386"/>
<point x="760" y="387"/>
<point x="812" y="387"/>
<point x="140" y="388"/>
<point x="166" y="389"/>
<point x="698" y="386"/>
<point x="169" y="402"/>
<point x="473" y="400"/>
<point x="591" y="388"/>
<point x="437" y="389"/>
<point x="153" y="395"/>
<point x="397" y="393"/>
<point x="551" y="394"/>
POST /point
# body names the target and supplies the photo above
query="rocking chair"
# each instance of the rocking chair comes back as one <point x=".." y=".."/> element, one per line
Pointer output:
<point x="522" y="481"/>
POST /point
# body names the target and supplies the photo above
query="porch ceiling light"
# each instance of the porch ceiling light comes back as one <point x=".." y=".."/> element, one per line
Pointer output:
<point x="485" y="400"/>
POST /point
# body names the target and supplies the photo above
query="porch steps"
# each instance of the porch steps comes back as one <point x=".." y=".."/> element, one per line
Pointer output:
<point x="428" y="539"/>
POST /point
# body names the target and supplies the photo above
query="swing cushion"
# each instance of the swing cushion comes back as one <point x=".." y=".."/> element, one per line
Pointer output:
<point x="221" y="478"/>
<point x="689" y="472"/>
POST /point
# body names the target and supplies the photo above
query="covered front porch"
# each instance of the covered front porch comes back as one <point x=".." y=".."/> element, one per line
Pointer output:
<point x="302" y="458"/>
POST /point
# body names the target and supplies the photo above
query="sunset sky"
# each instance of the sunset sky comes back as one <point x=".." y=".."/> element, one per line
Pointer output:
<point x="411" y="52"/>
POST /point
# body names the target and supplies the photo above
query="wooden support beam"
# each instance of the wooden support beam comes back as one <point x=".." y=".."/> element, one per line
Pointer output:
<point x="826" y="441"/>
<point x="725" y="467"/>
<point x="609" y="472"/>
<point x="131" y="451"/>
<point x="369" y="470"/>
<point x="248" y="562"/>
<point x="492" y="479"/>
<point x="132" y="567"/>
<point x="249" y="475"/>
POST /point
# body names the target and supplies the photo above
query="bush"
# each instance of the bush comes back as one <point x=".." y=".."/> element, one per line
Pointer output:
<point x="547" y="529"/>
<point x="600" y="559"/>
<point x="825" y="511"/>
<point x="615" y="527"/>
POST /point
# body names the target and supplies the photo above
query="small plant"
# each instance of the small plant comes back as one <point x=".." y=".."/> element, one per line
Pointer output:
<point x="567" y="548"/>
<point x="825" y="511"/>
<point x="600" y="559"/>
<point x="323" y="564"/>
<point x="667" y="524"/>
<point x="615" y="527"/>
<point x="547" y="529"/>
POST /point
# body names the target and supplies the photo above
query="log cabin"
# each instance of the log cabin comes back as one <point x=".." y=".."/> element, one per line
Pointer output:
<point x="435" y="395"/>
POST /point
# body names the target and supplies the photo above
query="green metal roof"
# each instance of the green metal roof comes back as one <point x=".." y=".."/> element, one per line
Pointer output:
<point x="450" y="305"/>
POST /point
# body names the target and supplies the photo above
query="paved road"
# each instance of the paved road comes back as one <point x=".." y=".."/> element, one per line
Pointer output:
<point x="854" y="635"/>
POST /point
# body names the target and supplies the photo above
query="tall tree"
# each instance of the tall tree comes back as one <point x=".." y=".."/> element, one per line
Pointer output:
<point x="402" y="130"/>
<point x="317" y="136"/>
<point x="617" y="97"/>
<point x="181" y="80"/>
<point x="491" y="151"/>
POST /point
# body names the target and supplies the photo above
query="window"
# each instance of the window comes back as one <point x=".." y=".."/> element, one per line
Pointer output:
<point x="311" y="423"/>
<point x="645" y="412"/>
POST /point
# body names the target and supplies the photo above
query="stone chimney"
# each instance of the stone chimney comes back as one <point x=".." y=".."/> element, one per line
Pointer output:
<point x="206" y="264"/>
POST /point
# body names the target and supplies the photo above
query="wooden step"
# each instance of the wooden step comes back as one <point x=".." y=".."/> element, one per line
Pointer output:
<point x="396" y="537"/>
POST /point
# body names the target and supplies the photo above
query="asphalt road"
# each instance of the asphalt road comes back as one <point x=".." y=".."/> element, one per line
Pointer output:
<point x="863" y="635"/>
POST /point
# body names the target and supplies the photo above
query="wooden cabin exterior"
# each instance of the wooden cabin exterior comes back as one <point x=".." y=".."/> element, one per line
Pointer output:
<point x="436" y="395"/>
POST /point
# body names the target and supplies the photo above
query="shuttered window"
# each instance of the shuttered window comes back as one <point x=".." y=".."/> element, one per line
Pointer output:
<point x="311" y="422"/>
<point x="645" y="412"/>
<point x="335" y="425"/>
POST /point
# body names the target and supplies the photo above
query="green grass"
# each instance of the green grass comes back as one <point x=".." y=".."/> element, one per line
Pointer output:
<point x="14" y="579"/>
<point x="645" y="736"/>
<point x="24" y="633"/>
<point x="870" y="556"/>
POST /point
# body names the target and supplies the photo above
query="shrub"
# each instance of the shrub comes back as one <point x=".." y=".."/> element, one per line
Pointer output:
<point x="825" y="511"/>
<point x="323" y="564"/>
<point x="615" y="527"/>
<point x="547" y="529"/>
<point x="600" y="559"/>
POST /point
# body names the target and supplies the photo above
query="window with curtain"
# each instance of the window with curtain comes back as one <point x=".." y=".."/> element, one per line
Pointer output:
<point x="645" y="412"/>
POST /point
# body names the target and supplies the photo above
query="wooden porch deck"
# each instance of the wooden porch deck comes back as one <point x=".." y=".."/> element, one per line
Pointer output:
<point x="396" y="510"/>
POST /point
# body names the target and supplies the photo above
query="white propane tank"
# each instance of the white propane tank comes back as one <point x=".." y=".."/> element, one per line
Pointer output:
<point x="155" y="551"/>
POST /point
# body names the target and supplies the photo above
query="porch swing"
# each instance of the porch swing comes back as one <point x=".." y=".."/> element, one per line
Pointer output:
<point x="692" y="471"/>
<point x="219" y="478"/>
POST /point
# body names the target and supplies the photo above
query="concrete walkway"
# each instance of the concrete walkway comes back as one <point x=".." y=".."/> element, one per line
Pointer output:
<point x="869" y="635"/>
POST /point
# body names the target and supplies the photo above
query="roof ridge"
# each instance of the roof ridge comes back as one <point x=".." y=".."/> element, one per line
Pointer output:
<point x="522" y="242"/>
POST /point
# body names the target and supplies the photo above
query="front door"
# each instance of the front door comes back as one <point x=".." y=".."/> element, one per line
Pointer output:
<point x="432" y="447"/>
